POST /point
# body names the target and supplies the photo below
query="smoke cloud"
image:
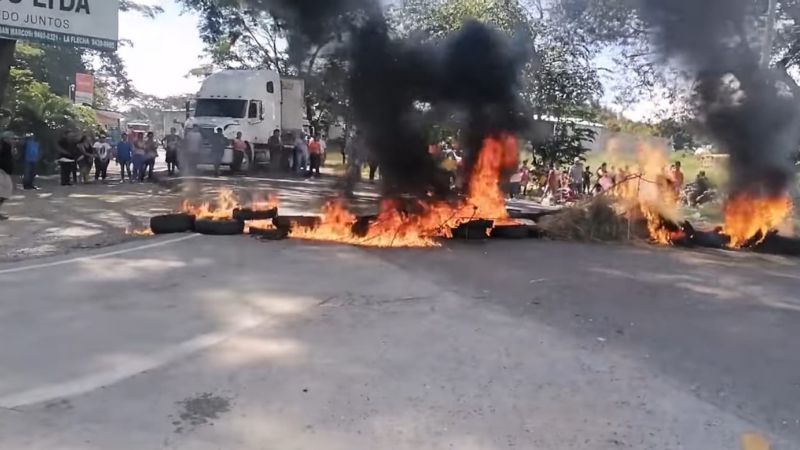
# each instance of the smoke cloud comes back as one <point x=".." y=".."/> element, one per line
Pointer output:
<point x="747" y="109"/>
<point x="395" y="85"/>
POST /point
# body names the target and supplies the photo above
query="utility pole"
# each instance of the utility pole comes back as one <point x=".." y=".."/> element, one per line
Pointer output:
<point x="769" y="33"/>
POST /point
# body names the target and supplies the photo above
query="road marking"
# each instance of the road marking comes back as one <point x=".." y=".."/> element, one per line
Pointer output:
<point x="98" y="256"/>
<point x="133" y="366"/>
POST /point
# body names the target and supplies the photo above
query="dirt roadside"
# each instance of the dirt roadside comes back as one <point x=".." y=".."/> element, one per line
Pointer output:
<point x="56" y="220"/>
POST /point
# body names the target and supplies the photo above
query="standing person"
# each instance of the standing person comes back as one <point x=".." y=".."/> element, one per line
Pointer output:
<point x="515" y="183"/>
<point x="239" y="147"/>
<point x="315" y="155"/>
<point x="526" y="177"/>
<point x="677" y="177"/>
<point x="67" y="158"/>
<point x="31" y="160"/>
<point x="86" y="158"/>
<point x="300" y="155"/>
<point x="275" y="147"/>
<point x="102" y="156"/>
<point x="192" y="143"/>
<point x="323" y="146"/>
<point x="171" y="143"/>
<point x="151" y="154"/>
<point x="6" y="169"/>
<point x="553" y="182"/>
<point x="218" y="145"/>
<point x="587" y="180"/>
<point x="576" y="176"/>
<point x="124" y="154"/>
<point x="354" y="151"/>
<point x="139" y="159"/>
<point x="374" y="165"/>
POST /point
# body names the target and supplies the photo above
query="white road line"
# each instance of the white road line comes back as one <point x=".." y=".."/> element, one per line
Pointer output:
<point x="101" y="255"/>
<point x="134" y="366"/>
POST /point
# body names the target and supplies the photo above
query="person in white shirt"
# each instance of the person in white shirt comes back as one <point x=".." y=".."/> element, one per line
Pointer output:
<point x="576" y="176"/>
<point x="102" y="157"/>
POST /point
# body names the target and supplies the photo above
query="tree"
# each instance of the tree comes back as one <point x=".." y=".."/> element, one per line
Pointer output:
<point x="559" y="82"/>
<point x="237" y="36"/>
<point x="35" y="109"/>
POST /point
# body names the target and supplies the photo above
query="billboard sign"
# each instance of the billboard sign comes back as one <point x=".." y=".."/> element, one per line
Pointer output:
<point x="84" y="89"/>
<point x="77" y="23"/>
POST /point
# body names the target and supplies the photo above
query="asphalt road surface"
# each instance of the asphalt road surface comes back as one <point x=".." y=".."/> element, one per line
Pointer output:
<point x="191" y="342"/>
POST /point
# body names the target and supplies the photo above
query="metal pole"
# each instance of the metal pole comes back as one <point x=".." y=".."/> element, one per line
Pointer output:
<point x="769" y="33"/>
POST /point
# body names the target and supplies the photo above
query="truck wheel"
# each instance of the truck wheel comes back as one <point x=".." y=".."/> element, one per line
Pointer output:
<point x="219" y="227"/>
<point x="172" y="223"/>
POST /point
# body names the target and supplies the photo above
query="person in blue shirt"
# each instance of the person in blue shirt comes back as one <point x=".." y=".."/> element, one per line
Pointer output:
<point x="31" y="160"/>
<point x="124" y="156"/>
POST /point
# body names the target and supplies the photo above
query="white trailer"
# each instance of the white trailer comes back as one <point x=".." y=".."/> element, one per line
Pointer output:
<point x="253" y="102"/>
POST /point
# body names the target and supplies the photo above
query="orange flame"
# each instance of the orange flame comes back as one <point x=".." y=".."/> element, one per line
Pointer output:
<point x="650" y="193"/>
<point x="748" y="217"/>
<point x="221" y="209"/>
<point x="395" y="228"/>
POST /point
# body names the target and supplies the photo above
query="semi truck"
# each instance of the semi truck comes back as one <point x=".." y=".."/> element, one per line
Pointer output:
<point x="253" y="102"/>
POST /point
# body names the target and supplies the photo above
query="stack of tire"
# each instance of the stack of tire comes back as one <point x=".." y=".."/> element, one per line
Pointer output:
<point x="182" y="222"/>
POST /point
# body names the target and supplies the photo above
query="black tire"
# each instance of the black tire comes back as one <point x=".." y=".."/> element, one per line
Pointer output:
<point x="270" y="234"/>
<point x="172" y="223"/>
<point x="291" y="221"/>
<point x="219" y="227"/>
<point x="510" y="232"/>
<point x="475" y="229"/>
<point x="249" y="214"/>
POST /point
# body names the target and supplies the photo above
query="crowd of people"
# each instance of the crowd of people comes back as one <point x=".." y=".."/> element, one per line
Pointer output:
<point x="579" y="180"/>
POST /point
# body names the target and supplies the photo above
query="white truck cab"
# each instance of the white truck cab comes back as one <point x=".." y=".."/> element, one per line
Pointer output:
<point x="253" y="102"/>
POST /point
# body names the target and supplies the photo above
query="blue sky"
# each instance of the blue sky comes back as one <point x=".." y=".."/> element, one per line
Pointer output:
<point x="164" y="50"/>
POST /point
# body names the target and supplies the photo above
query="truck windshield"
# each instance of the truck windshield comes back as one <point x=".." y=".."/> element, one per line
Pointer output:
<point x="218" y="107"/>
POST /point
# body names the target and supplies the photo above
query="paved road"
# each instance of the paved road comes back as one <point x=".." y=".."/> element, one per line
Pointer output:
<point x="194" y="342"/>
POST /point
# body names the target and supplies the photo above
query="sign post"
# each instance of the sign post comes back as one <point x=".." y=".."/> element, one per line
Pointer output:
<point x="74" y="23"/>
<point x="84" y="89"/>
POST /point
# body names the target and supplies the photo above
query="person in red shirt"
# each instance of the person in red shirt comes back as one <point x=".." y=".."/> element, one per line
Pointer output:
<point x="315" y="155"/>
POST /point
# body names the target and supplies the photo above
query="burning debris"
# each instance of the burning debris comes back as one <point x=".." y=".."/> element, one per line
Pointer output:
<point x="417" y="222"/>
<point x="748" y="109"/>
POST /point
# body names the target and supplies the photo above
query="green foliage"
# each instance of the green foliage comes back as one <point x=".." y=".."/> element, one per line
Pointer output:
<point x="567" y="143"/>
<point x="35" y="109"/>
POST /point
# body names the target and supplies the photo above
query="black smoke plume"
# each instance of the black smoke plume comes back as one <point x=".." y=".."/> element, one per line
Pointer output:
<point x="396" y="86"/>
<point x="747" y="109"/>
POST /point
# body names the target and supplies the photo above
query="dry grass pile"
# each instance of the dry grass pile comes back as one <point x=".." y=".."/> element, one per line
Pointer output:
<point x="592" y="220"/>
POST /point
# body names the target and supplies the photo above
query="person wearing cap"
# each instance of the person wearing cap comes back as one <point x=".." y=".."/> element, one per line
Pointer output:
<point x="576" y="176"/>
<point x="31" y="155"/>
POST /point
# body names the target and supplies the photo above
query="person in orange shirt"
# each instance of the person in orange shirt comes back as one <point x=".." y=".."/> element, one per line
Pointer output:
<point x="315" y="154"/>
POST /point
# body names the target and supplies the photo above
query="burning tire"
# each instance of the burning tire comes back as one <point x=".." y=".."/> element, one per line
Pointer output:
<point x="172" y="223"/>
<point x="270" y="234"/>
<point x="510" y="232"/>
<point x="476" y="229"/>
<point x="249" y="214"/>
<point x="288" y="222"/>
<point x="219" y="227"/>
